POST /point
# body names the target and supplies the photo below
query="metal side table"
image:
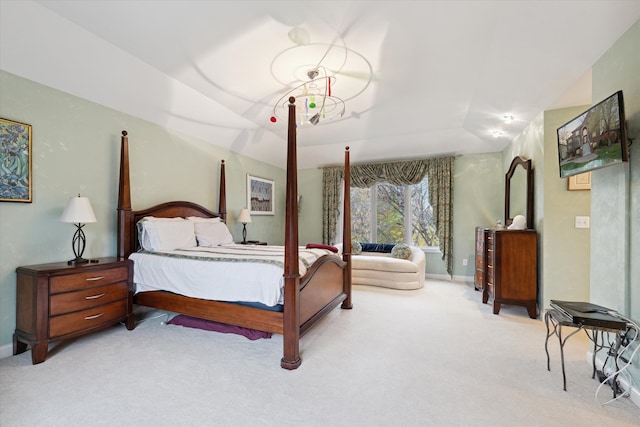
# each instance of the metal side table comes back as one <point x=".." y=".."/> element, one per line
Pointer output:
<point x="557" y="320"/>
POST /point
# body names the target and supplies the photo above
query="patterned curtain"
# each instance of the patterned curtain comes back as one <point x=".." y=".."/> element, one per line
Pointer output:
<point x="441" y="199"/>
<point x="440" y="172"/>
<point x="331" y="191"/>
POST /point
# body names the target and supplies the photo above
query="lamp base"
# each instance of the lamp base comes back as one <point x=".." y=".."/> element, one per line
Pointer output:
<point x="77" y="260"/>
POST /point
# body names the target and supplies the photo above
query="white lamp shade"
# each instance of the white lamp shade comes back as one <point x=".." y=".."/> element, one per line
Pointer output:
<point x="78" y="210"/>
<point x="244" y="216"/>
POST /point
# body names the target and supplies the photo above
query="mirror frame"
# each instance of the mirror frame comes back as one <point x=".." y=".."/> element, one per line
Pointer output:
<point x="526" y="164"/>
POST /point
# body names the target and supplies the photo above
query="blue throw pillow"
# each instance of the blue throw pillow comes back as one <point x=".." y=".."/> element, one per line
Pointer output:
<point x="377" y="247"/>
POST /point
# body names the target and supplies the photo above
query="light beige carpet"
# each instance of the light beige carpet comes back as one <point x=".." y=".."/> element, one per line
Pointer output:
<point x="431" y="357"/>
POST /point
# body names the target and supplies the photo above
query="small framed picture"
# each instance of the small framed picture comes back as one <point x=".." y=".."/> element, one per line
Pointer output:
<point x="16" y="179"/>
<point x="260" y="196"/>
<point x="579" y="182"/>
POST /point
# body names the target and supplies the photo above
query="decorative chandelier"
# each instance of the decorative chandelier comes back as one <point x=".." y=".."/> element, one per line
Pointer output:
<point x="315" y="101"/>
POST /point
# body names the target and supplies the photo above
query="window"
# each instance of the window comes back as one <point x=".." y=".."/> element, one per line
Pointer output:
<point x="387" y="213"/>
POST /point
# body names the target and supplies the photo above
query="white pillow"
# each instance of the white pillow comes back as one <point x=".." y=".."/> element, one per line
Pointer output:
<point x="203" y="219"/>
<point x="143" y="236"/>
<point x="166" y="234"/>
<point x="211" y="234"/>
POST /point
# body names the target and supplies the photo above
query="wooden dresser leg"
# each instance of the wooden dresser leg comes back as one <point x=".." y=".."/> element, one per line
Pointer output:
<point x="496" y="307"/>
<point x="39" y="352"/>
<point x="18" y="346"/>
<point x="533" y="313"/>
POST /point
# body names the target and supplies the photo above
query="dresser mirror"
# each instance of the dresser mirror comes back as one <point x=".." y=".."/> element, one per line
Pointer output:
<point x="518" y="195"/>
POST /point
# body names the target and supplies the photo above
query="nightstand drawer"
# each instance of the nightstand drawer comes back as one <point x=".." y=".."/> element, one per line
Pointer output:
<point x="86" y="298"/>
<point x="87" y="319"/>
<point x="87" y="279"/>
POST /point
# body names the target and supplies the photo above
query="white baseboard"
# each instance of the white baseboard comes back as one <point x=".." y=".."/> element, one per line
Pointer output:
<point x="448" y="278"/>
<point x="464" y="279"/>
<point x="6" y="351"/>
<point x="634" y="393"/>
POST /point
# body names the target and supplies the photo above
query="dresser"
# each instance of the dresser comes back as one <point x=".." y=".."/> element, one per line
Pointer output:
<point x="481" y="254"/>
<point x="58" y="301"/>
<point x="509" y="267"/>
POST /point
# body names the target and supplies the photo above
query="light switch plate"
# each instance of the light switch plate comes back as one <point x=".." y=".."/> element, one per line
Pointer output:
<point x="582" y="222"/>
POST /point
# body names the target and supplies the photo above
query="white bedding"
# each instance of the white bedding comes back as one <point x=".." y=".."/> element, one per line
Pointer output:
<point x="233" y="272"/>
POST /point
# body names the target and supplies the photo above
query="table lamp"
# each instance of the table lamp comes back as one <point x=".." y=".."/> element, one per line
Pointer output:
<point x="78" y="212"/>
<point x="244" y="218"/>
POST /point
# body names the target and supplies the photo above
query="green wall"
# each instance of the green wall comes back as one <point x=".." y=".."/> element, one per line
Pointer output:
<point x="310" y="208"/>
<point x="76" y="149"/>
<point x="565" y="249"/>
<point x="478" y="201"/>
<point x="615" y="192"/>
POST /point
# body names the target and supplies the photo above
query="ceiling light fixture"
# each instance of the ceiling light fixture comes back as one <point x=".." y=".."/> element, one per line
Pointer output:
<point x="314" y="99"/>
<point x="497" y="133"/>
<point x="308" y="71"/>
<point x="508" y="118"/>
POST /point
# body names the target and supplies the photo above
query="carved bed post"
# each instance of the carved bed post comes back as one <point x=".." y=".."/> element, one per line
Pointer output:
<point x="124" y="200"/>
<point x="291" y="357"/>
<point x="222" y="202"/>
<point x="125" y="217"/>
<point x="346" y="230"/>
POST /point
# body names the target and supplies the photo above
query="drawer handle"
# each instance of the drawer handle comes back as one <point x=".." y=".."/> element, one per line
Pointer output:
<point x="95" y="296"/>
<point x="92" y="279"/>
<point x="94" y="316"/>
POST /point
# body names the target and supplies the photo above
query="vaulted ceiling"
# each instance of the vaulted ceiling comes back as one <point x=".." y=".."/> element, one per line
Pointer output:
<point x="418" y="78"/>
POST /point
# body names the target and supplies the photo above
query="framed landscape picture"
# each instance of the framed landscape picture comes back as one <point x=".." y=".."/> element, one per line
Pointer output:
<point x="15" y="161"/>
<point x="260" y="195"/>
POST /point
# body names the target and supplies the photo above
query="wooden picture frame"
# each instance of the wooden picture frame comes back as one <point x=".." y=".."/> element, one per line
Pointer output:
<point x="581" y="181"/>
<point x="16" y="179"/>
<point x="260" y="196"/>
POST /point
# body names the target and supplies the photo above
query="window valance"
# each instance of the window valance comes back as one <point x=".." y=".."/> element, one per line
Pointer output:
<point x="396" y="173"/>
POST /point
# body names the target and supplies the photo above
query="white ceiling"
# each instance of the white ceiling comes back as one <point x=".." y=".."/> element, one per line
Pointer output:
<point x="420" y="78"/>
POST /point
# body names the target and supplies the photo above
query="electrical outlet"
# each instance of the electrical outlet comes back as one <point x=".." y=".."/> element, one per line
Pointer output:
<point x="582" y="222"/>
<point x="464" y="262"/>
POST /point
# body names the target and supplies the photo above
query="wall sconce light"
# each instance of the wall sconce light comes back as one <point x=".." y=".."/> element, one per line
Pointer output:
<point x="244" y="218"/>
<point x="79" y="212"/>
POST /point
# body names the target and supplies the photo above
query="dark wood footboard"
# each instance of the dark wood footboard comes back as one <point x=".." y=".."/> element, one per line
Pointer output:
<point x="321" y="290"/>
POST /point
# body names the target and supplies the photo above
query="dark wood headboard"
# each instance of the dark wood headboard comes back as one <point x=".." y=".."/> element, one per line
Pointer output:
<point x="128" y="218"/>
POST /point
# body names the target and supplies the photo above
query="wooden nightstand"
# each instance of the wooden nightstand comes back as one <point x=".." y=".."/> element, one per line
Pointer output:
<point x="57" y="301"/>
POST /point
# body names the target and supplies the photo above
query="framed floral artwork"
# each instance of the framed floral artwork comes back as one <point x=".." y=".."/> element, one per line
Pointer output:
<point x="16" y="180"/>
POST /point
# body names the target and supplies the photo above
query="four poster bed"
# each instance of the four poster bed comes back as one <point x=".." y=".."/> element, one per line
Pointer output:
<point x="325" y="284"/>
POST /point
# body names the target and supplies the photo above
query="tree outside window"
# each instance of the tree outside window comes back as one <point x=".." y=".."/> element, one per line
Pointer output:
<point x="387" y="213"/>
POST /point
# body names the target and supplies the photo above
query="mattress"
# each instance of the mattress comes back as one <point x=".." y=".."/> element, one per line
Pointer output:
<point x="232" y="273"/>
